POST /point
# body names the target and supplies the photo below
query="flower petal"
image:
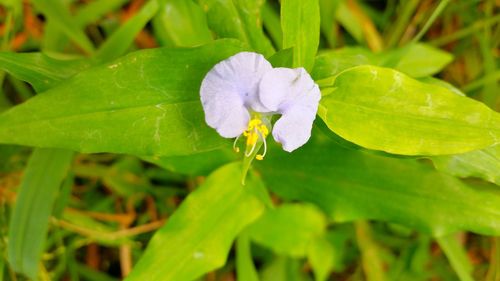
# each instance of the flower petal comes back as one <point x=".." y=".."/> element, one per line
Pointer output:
<point x="227" y="114"/>
<point x="293" y="93"/>
<point x="239" y="75"/>
<point x="293" y="129"/>
<point x="283" y="88"/>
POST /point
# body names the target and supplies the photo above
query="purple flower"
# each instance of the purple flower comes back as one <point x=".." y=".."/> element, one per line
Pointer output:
<point x="240" y="94"/>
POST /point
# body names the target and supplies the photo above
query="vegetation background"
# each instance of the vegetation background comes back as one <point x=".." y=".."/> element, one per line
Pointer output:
<point x="333" y="210"/>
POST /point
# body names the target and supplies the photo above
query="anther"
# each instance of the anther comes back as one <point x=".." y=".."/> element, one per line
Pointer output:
<point x="235" y="143"/>
<point x="263" y="136"/>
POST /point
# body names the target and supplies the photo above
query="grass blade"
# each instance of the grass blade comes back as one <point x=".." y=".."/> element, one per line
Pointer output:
<point x="29" y="222"/>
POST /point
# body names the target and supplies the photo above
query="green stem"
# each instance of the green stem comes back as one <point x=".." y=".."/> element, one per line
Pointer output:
<point x="490" y="78"/>
<point x="439" y="9"/>
<point x="401" y="23"/>
<point x="457" y="257"/>
<point x="465" y="31"/>
<point x="494" y="270"/>
<point x="8" y="29"/>
<point x="372" y="263"/>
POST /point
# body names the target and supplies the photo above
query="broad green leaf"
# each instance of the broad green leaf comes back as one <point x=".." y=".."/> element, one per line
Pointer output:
<point x="146" y="103"/>
<point x="245" y="269"/>
<point x="238" y="19"/>
<point x="58" y="14"/>
<point x="321" y="256"/>
<point x="350" y="185"/>
<point x="29" y="221"/>
<point x="333" y="62"/>
<point x="382" y="109"/>
<point x="198" y="236"/>
<point x="119" y="42"/>
<point x="288" y="229"/>
<point x="416" y="60"/>
<point x="181" y="23"/>
<point x="41" y="71"/>
<point x="484" y="163"/>
<point x="300" y="23"/>
<point x="282" y="58"/>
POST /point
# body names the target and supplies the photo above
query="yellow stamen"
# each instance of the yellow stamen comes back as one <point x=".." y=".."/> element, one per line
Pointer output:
<point x="256" y="130"/>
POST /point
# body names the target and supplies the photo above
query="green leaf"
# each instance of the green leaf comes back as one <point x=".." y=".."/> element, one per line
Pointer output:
<point x="418" y="60"/>
<point x="119" y="42"/>
<point x="197" y="164"/>
<point x="238" y="19"/>
<point x="282" y="58"/>
<point x="198" y="236"/>
<point x="350" y="185"/>
<point x="54" y="39"/>
<point x="58" y="14"/>
<point x="349" y="21"/>
<point x="288" y="229"/>
<point x="329" y="26"/>
<point x="93" y="11"/>
<point x="146" y="103"/>
<point x="370" y="253"/>
<point x="284" y="269"/>
<point x="245" y="269"/>
<point x="29" y="222"/>
<point x="457" y="256"/>
<point x="333" y="62"/>
<point x="300" y="23"/>
<point x="181" y="23"/>
<point x="382" y="109"/>
<point x="41" y="71"/>
<point x="271" y="21"/>
<point x="320" y="255"/>
<point x="484" y="163"/>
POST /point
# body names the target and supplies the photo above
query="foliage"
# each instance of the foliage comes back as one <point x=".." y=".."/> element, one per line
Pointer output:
<point x="108" y="170"/>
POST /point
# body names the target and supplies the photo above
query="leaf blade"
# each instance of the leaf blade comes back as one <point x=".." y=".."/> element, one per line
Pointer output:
<point x="301" y="26"/>
<point x="382" y="109"/>
<point x="129" y="106"/>
<point x="43" y="176"/>
<point x="350" y="185"/>
<point x="187" y="246"/>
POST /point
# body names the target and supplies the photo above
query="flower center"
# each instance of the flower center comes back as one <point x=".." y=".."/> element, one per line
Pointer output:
<point x="255" y="131"/>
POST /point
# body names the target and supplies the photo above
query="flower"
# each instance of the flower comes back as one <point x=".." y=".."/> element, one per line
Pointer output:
<point x="240" y="94"/>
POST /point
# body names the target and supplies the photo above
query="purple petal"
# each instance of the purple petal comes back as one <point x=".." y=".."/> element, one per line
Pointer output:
<point x="226" y="113"/>
<point x="293" y="93"/>
<point x="293" y="129"/>
<point x="229" y="90"/>
<point x="283" y="88"/>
